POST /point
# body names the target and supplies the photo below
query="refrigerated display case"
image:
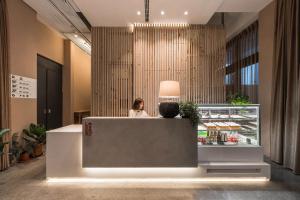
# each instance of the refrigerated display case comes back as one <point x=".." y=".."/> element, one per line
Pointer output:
<point x="225" y="124"/>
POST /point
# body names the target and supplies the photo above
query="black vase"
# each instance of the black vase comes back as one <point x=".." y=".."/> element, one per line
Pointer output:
<point x="169" y="109"/>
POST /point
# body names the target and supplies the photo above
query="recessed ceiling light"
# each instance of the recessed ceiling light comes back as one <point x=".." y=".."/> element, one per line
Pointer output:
<point x="186" y="13"/>
<point x="162" y="12"/>
<point x="76" y="35"/>
<point x="138" y="12"/>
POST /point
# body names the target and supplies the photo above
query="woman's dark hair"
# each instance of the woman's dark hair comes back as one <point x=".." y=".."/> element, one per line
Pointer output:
<point x="136" y="104"/>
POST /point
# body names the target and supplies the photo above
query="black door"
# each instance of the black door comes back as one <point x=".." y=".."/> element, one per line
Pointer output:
<point x="49" y="93"/>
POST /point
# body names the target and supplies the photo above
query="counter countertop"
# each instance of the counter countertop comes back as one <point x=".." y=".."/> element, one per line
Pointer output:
<point x="160" y="118"/>
<point x="77" y="128"/>
<point x="74" y="128"/>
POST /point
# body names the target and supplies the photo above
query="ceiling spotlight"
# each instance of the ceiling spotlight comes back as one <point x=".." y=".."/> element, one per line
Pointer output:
<point x="162" y="12"/>
<point x="76" y="35"/>
<point x="186" y="13"/>
<point x="138" y="12"/>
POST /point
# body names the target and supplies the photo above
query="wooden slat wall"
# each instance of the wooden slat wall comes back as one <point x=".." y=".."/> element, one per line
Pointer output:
<point x="111" y="71"/>
<point x="207" y="54"/>
<point x="132" y="65"/>
<point x="194" y="55"/>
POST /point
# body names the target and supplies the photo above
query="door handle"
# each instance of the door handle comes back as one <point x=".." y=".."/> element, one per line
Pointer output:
<point x="49" y="111"/>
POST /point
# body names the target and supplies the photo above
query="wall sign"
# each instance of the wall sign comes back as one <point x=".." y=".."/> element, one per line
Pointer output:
<point x="23" y="87"/>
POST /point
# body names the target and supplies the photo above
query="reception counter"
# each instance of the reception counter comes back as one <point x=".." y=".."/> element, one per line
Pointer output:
<point x="138" y="142"/>
<point x="106" y="148"/>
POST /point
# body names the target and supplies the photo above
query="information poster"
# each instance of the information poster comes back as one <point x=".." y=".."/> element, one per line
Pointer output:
<point x="23" y="87"/>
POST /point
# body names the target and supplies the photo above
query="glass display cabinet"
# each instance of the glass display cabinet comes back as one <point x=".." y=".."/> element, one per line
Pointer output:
<point x="225" y="124"/>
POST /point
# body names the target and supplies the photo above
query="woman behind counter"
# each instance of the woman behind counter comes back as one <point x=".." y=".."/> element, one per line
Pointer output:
<point x="138" y="109"/>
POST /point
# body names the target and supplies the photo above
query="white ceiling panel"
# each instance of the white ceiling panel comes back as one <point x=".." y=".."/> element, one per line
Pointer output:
<point x="123" y="12"/>
<point x="199" y="11"/>
<point x="50" y="15"/>
<point x="61" y="15"/>
<point x="243" y="5"/>
<point x="112" y="12"/>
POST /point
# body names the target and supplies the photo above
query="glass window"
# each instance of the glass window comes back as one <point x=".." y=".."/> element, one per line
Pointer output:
<point x="242" y="64"/>
<point x="228" y="79"/>
<point x="249" y="75"/>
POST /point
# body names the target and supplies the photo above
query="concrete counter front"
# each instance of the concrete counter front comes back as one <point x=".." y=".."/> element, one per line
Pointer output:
<point x="123" y="148"/>
<point x="138" y="142"/>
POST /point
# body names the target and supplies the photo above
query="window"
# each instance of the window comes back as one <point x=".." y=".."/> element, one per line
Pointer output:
<point x="242" y="64"/>
<point x="228" y="79"/>
<point x="249" y="75"/>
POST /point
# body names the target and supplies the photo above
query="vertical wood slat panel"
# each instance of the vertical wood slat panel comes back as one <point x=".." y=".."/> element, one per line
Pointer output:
<point x="111" y="67"/>
<point x="128" y="65"/>
<point x="195" y="57"/>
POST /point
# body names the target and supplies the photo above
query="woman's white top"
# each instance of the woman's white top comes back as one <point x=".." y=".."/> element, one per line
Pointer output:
<point x="138" y="113"/>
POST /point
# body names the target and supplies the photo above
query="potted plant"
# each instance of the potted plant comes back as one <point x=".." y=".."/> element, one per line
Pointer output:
<point x="35" y="138"/>
<point x="189" y="110"/>
<point x="238" y="99"/>
<point x="24" y="156"/>
<point x="19" y="150"/>
<point x="14" y="149"/>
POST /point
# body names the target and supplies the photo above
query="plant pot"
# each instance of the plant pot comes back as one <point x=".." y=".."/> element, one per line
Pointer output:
<point x="38" y="150"/>
<point x="24" y="157"/>
<point x="168" y="109"/>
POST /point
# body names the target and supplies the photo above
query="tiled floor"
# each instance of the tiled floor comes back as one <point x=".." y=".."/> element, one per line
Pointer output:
<point x="27" y="181"/>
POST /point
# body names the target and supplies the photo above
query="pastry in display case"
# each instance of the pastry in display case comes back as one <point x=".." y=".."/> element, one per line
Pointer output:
<point x="222" y="124"/>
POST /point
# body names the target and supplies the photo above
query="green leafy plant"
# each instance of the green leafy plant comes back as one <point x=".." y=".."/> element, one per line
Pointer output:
<point x="189" y="110"/>
<point x="19" y="146"/>
<point x="16" y="149"/>
<point x="36" y="134"/>
<point x="238" y="99"/>
<point x="34" y="137"/>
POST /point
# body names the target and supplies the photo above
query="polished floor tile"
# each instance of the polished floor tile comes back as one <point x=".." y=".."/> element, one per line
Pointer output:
<point x="27" y="181"/>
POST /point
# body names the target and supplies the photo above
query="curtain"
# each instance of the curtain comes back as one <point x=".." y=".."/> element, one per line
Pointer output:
<point x="242" y="63"/>
<point x="4" y="83"/>
<point x="285" y="121"/>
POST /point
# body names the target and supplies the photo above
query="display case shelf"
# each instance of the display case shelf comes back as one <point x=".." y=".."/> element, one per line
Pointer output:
<point x="252" y="119"/>
<point x="222" y="124"/>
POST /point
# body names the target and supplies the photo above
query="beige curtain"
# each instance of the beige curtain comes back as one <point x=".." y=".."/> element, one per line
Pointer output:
<point x="4" y="83"/>
<point x="242" y="63"/>
<point x="285" y="121"/>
